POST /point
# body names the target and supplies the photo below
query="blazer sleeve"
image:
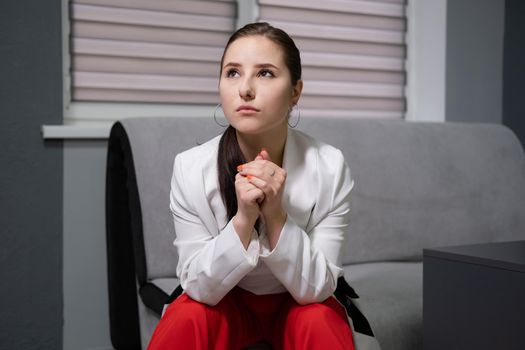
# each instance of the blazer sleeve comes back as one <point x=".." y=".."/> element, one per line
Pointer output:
<point x="309" y="263"/>
<point x="209" y="264"/>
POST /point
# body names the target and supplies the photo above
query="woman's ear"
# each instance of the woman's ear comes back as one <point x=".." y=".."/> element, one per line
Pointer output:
<point x="296" y="92"/>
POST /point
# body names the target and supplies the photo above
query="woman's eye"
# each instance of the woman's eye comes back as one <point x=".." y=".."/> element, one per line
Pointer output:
<point x="232" y="73"/>
<point x="266" y="73"/>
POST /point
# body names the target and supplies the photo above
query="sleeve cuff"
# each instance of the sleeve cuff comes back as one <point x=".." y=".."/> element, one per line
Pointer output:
<point x="288" y="240"/>
<point x="251" y="254"/>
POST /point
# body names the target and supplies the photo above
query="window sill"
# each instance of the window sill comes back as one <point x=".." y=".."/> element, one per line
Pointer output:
<point x="66" y="132"/>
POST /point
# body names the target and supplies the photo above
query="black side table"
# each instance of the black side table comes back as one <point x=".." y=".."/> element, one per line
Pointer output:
<point x="474" y="297"/>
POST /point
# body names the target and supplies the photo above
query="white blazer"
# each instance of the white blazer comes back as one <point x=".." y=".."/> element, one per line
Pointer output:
<point x="306" y="260"/>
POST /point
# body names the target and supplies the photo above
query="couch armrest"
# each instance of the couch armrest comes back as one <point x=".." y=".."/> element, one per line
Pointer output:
<point x="123" y="216"/>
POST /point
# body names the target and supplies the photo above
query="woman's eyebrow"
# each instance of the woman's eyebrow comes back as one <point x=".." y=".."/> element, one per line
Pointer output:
<point x="266" y="65"/>
<point x="232" y="64"/>
<point x="259" y="65"/>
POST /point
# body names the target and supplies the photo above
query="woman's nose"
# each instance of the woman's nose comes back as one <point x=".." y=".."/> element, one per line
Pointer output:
<point x="246" y="90"/>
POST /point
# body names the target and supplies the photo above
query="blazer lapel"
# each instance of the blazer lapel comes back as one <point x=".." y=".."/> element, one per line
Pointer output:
<point x="301" y="189"/>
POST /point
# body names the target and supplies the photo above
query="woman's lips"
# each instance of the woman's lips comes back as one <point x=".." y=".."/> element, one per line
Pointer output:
<point x="247" y="109"/>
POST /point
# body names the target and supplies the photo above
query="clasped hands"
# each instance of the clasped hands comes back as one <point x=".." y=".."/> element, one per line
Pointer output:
<point x="259" y="186"/>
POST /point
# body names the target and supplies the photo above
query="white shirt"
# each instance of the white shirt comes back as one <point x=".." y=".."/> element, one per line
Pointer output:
<point x="306" y="260"/>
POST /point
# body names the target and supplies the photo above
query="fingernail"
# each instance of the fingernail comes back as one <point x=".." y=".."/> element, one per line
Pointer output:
<point x="239" y="167"/>
<point x="264" y="150"/>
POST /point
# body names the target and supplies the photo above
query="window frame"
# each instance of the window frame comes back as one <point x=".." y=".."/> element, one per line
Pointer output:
<point x="424" y="88"/>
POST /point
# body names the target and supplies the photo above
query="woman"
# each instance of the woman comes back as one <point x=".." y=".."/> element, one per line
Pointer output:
<point x="260" y="215"/>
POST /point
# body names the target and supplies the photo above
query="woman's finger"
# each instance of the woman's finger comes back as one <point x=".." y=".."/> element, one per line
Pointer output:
<point x="265" y="155"/>
<point x="247" y="192"/>
<point x="262" y="169"/>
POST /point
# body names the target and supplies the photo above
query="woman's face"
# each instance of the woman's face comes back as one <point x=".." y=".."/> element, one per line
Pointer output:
<point x="255" y="86"/>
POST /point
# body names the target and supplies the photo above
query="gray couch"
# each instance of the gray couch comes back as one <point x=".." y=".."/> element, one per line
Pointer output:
<point x="418" y="185"/>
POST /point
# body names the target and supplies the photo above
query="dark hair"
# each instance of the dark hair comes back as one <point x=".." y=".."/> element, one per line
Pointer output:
<point x="230" y="154"/>
<point x="292" y="57"/>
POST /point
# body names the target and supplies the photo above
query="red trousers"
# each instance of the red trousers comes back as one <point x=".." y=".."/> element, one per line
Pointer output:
<point x="242" y="318"/>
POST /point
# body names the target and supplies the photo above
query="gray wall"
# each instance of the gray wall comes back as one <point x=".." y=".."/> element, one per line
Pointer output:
<point x="485" y="63"/>
<point x="31" y="176"/>
<point x="474" y="60"/>
<point x="86" y="318"/>
<point x="514" y="68"/>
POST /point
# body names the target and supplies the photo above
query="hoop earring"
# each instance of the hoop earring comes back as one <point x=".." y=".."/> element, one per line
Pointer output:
<point x="215" y="116"/>
<point x="298" y="116"/>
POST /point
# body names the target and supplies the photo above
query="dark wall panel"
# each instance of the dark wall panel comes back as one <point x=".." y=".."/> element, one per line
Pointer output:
<point x="474" y="60"/>
<point x="30" y="176"/>
<point x="514" y="68"/>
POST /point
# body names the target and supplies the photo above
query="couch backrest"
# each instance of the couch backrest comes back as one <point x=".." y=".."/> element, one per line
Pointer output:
<point x="418" y="185"/>
<point x="154" y="143"/>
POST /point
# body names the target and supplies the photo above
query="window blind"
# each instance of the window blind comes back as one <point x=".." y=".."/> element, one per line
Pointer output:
<point x="148" y="51"/>
<point x="353" y="54"/>
<point x="161" y="51"/>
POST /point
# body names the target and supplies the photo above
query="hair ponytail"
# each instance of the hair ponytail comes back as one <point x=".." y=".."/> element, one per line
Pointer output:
<point x="229" y="157"/>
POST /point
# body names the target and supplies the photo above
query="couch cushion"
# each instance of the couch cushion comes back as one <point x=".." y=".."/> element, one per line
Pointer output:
<point x="167" y="285"/>
<point x="420" y="185"/>
<point x="391" y="297"/>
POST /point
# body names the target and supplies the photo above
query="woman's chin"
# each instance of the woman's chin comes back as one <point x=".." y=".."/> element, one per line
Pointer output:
<point x="254" y="126"/>
<point x="248" y="126"/>
<point x="249" y="131"/>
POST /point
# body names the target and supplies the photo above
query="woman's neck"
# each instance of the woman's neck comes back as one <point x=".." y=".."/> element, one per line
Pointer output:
<point x="273" y="142"/>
